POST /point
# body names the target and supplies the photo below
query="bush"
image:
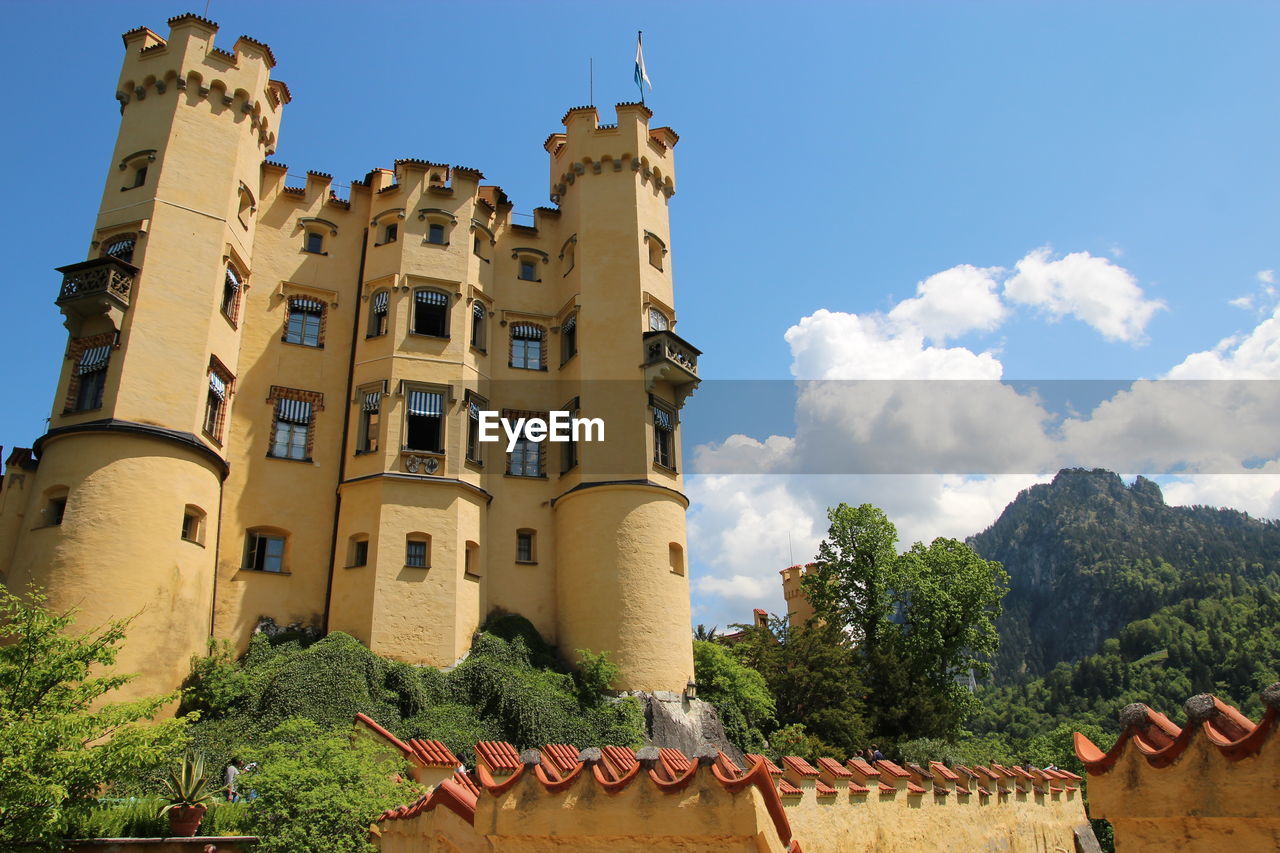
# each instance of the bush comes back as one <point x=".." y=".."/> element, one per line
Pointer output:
<point x="319" y="791"/>
<point x="738" y="692"/>
<point x="794" y="740"/>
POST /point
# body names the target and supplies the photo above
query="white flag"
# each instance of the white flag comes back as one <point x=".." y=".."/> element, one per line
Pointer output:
<point x="642" y="76"/>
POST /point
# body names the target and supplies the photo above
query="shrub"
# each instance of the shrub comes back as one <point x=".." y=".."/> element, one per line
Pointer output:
<point x="738" y="692"/>
<point x="319" y="791"/>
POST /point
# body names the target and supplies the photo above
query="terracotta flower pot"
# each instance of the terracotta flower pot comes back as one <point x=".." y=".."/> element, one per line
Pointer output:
<point x="184" y="820"/>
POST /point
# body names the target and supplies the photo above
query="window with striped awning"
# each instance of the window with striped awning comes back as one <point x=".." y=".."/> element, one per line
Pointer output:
<point x="381" y="300"/>
<point x="426" y="404"/>
<point x="432" y="297"/>
<point x="526" y="332"/>
<point x="662" y="418"/>
<point x="121" y="248"/>
<point x="570" y="324"/>
<point x="303" y="303"/>
<point x="217" y="386"/>
<point x="569" y="338"/>
<point x="293" y="411"/>
<point x="477" y="310"/>
<point x="94" y="359"/>
<point x="372" y="401"/>
<point x="233" y="280"/>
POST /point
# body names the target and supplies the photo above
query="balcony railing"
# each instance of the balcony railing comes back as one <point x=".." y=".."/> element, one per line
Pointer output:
<point x="96" y="288"/>
<point x="669" y="346"/>
<point x="98" y="277"/>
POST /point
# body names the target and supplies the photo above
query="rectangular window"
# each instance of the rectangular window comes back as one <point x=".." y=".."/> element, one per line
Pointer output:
<point x="360" y="553"/>
<point x="663" y="438"/>
<point x="91" y="377"/>
<point x="525" y="460"/>
<point x="265" y="553"/>
<point x="140" y="177"/>
<point x="370" y="422"/>
<point x="424" y="427"/>
<point x="378" y="313"/>
<point x="231" y="294"/>
<point x="315" y="243"/>
<point x="305" y="322"/>
<point x="477" y="325"/>
<point x="292" y="429"/>
<point x="416" y="553"/>
<point x="524" y="546"/>
<point x="473" y="433"/>
<point x="568" y="338"/>
<point x="435" y="234"/>
<point x="526" y="346"/>
<point x="215" y="406"/>
<point x="191" y="527"/>
<point x="528" y="271"/>
<point x="431" y="313"/>
<point x="390" y="233"/>
<point x="57" y="510"/>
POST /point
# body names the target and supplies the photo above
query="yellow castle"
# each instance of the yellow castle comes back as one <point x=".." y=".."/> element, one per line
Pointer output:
<point x="273" y="399"/>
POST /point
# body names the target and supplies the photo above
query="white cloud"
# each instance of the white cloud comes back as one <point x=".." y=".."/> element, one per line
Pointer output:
<point x="1245" y="302"/>
<point x="1266" y="276"/>
<point x="1091" y="289"/>
<point x="1252" y="356"/>
<point x="953" y="302"/>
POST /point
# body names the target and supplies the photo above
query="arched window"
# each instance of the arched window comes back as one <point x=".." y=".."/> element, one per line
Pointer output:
<point x="478" y="317"/>
<point x="664" y="437"/>
<point x="247" y="206"/>
<point x="305" y="324"/>
<point x="471" y="559"/>
<point x="121" y="247"/>
<point x="435" y="233"/>
<point x="675" y="554"/>
<point x="431" y="313"/>
<point x="215" y="408"/>
<point x="379" y="306"/>
<point x="657" y="321"/>
<point x="231" y="286"/>
<point x="527" y="351"/>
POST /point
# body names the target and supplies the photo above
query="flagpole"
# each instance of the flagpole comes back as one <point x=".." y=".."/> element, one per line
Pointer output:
<point x="591" y="81"/>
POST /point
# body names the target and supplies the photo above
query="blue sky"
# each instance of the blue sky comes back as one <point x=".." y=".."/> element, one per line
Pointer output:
<point x="832" y="156"/>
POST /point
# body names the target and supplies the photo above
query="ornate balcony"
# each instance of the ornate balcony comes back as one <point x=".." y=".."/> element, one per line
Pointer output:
<point x="670" y="358"/>
<point x="100" y="287"/>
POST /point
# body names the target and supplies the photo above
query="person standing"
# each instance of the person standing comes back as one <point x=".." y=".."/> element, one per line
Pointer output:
<point x="234" y="769"/>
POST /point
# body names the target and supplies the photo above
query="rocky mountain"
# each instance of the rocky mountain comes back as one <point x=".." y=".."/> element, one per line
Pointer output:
<point x="1087" y="555"/>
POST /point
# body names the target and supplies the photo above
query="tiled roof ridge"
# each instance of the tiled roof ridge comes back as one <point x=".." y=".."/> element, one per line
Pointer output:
<point x="451" y="794"/>
<point x="800" y="766"/>
<point x="424" y="753"/>
<point x="1161" y="742"/>
<point x="499" y="755"/>
<point x="369" y="723"/>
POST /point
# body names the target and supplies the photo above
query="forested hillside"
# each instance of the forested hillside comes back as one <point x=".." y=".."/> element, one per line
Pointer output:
<point x="1116" y="597"/>
<point x="1087" y="555"/>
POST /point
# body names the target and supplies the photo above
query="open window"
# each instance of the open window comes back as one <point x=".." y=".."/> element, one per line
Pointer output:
<point x="232" y="284"/>
<point x="569" y="338"/>
<point x="379" y="306"/>
<point x="264" y="550"/>
<point x="54" y="510"/>
<point x="431" y="313"/>
<point x="370" y="421"/>
<point x="193" y="522"/>
<point x="424" y="421"/>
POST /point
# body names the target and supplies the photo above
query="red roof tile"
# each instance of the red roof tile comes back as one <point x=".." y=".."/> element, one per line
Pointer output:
<point x="433" y="753"/>
<point x="835" y="768"/>
<point x="563" y="756"/>
<point x="886" y="789"/>
<point x="727" y="764"/>
<point x="786" y="789"/>
<point x="622" y="758"/>
<point x="855" y="788"/>
<point x="367" y="722"/>
<point x="892" y="769"/>
<point x="464" y="779"/>
<point x="799" y="765"/>
<point x="918" y="770"/>
<point x="942" y="770"/>
<point x="862" y="767"/>
<point x="499" y="755"/>
<point x="983" y="792"/>
<point x="823" y="789"/>
<point x="754" y="758"/>
<point x="913" y="788"/>
<point x="961" y="788"/>
<point x="674" y="760"/>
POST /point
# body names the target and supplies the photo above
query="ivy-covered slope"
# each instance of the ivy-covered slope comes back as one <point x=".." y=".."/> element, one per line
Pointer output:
<point x="511" y="687"/>
<point x="1087" y="555"/>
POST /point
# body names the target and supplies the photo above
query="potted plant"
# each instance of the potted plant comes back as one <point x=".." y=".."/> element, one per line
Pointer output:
<point x="189" y="790"/>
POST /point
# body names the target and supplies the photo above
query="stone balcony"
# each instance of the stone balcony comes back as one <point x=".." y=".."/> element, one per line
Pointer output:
<point x="670" y="358"/>
<point x="98" y="288"/>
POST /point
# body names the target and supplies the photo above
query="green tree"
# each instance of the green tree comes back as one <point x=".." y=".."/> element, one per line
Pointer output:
<point x="813" y="672"/>
<point x="921" y="620"/>
<point x="59" y="744"/>
<point x="738" y="692"/>
<point x="318" y="791"/>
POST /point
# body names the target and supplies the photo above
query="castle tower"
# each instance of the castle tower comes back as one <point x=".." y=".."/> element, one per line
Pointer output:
<point x="120" y="515"/>
<point x="621" y="574"/>
<point x="799" y="610"/>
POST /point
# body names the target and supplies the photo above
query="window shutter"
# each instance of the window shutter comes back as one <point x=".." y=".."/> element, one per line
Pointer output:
<point x="94" y="359"/>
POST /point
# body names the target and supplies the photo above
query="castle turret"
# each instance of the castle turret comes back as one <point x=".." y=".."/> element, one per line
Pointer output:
<point x="799" y="610"/>
<point x="621" y="574"/>
<point x="120" y="515"/>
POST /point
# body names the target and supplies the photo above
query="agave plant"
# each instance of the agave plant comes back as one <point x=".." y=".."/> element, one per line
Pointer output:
<point x="188" y="783"/>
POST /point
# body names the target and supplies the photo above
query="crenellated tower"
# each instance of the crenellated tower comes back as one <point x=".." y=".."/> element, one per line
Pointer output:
<point x="120" y="517"/>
